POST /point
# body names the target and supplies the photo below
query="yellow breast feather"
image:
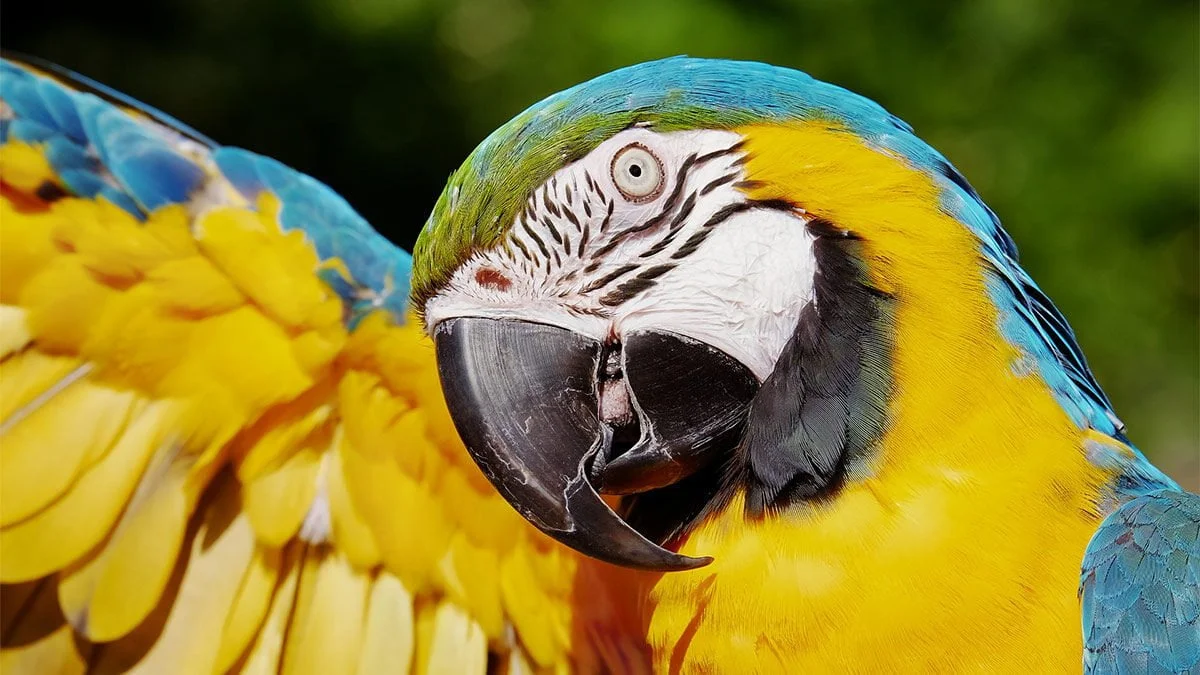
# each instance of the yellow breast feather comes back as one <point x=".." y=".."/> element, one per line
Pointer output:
<point x="958" y="548"/>
<point x="205" y="470"/>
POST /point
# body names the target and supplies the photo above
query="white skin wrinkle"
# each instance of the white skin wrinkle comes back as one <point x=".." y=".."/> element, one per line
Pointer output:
<point x="740" y="289"/>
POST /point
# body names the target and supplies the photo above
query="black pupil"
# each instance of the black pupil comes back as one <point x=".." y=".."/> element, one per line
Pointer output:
<point x="635" y="170"/>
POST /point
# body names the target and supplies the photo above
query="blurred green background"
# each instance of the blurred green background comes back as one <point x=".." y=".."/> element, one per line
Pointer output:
<point x="1078" y="122"/>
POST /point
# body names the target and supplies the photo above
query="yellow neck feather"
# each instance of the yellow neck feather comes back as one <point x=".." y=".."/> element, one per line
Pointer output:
<point x="960" y="548"/>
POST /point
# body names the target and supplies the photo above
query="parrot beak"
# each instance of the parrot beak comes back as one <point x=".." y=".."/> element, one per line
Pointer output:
<point x="523" y="397"/>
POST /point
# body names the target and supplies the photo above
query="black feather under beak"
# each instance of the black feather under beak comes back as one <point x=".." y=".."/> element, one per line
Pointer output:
<point x="524" y="398"/>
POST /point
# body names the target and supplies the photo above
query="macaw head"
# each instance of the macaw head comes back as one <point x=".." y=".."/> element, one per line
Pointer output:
<point x="676" y="283"/>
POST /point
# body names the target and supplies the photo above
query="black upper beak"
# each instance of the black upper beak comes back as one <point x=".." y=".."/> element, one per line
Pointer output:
<point x="523" y="398"/>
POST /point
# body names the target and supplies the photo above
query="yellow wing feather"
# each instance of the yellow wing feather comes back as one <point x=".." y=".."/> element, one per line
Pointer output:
<point x="203" y="470"/>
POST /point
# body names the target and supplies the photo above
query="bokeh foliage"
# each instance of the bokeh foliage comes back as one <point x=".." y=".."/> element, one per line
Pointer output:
<point x="1078" y="122"/>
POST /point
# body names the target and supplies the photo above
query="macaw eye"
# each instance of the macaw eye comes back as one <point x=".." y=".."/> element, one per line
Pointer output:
<point x="637" y="173"/>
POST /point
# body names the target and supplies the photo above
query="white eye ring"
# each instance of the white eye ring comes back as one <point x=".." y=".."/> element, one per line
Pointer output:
<point x="637" y="173"/>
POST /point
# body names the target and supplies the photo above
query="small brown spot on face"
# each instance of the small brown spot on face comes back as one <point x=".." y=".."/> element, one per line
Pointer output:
<point x="490" y="278"/>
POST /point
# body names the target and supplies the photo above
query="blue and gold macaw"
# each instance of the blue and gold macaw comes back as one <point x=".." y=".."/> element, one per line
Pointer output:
<point x="835" y="424"/>
<point x="799" y="343"/>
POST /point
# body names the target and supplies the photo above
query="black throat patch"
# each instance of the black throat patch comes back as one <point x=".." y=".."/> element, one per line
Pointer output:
<point x="826" y="401"/>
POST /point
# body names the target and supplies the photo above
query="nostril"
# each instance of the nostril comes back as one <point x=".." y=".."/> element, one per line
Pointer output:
<point x="616" y="404"/>
<point x="616" y="413"/>
<point x="611" y="391"/>
<point x="612" y="361"/>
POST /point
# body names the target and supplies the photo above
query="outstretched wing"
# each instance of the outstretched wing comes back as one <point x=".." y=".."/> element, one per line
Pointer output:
<point x="1140" y="588"/>
<point x="223" y="447"/>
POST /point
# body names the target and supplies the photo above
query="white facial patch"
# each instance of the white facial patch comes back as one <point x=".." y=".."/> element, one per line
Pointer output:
<point x="594" y="255"/>
<point x="741" y="292"/>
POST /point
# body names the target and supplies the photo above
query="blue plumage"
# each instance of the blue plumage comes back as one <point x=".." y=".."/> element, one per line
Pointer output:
<point x="61" y="106"/>
<point x="61" y="100"/>
<point x="141" y="164"/>
<point x="1140" y="590"/>
<point x="30" y="131"/>
<point x="85" y="183"/>
<point x="142" y="159"/>
<point x="65" y="154"/>
<point x="20" y="93"/>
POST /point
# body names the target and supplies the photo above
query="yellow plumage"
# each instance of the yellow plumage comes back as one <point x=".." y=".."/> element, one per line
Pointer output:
<point x="82" y="422"/>
<point x="958" y="542"/>
<point x="204" y="470"/>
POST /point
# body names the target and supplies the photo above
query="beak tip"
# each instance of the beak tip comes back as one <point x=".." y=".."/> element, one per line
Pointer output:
<point x="690" y="563"/>
<point x="651" y="559"/>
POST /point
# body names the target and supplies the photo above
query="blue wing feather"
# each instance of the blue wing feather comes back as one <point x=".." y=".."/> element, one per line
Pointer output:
<point x="1140" y="587"/>
<point x="146" y="160"/>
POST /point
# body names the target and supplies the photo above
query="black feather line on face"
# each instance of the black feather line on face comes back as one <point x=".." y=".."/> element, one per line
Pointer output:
<point x="700" y="235"/>
<point x="536" y="239"/>
<point x="583" y="239"/>
<point x="558" y="239"/>
<point x="684" y="211"/>
<point x="723" y="152"/>
<point x="643" y="281"/>
<point x="607" y="217"/>
<point x="631" y="288"/>
<point x="609" y="278"/>
<point x="570" y="215"/>
<point x="659" y="247"/>
<point x="718" y="182"/>
<point x="603" y="252"/>
<point x="521" y="247"/>
<point x="824" y="405"/>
